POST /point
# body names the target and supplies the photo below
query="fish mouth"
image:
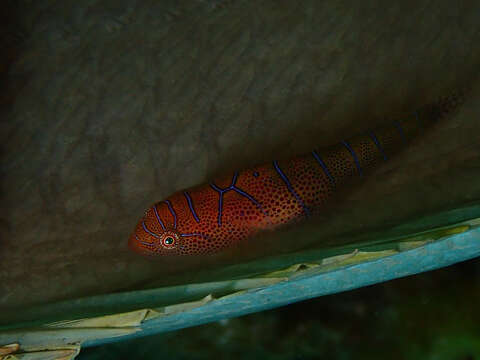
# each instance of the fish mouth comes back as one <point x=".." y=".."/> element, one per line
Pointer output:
<point x="134" y="245"/>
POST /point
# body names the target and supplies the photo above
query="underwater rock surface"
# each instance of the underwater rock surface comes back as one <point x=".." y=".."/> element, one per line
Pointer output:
<point x="115" y="106"/>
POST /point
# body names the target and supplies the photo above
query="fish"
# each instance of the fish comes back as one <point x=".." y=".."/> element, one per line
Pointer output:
<point x="211" y="217"/>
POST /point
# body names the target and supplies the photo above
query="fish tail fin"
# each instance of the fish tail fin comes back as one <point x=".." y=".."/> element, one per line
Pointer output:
<point x="444" y="106"/>
<point x="369" y="149"/>
<point x="434" y="112"/>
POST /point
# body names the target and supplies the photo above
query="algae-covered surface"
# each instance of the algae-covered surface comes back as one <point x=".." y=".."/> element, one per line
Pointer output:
<point x="111" y="106"/>
<point x="429" y="316"/>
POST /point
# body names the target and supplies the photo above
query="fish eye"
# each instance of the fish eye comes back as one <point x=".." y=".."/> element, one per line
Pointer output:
<point x="168" y="241"/>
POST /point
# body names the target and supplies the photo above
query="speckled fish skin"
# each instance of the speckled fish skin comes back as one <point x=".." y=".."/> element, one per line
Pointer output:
<point x="212" y="217"/>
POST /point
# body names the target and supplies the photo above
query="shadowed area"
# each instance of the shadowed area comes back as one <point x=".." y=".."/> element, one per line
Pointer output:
<point x="112" y="106"/>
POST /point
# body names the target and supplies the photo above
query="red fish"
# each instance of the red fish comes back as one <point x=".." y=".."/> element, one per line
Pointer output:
<point x="212" y="217"/>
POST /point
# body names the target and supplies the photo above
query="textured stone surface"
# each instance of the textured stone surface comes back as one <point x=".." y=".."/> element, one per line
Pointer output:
<point x="119" y="103"/>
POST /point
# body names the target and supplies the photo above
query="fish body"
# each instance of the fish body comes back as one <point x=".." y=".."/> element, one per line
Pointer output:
<point x="211" y="217"/>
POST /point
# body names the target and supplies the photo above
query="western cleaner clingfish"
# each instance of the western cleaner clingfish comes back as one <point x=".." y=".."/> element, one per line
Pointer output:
<point x="212" y="217"/>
